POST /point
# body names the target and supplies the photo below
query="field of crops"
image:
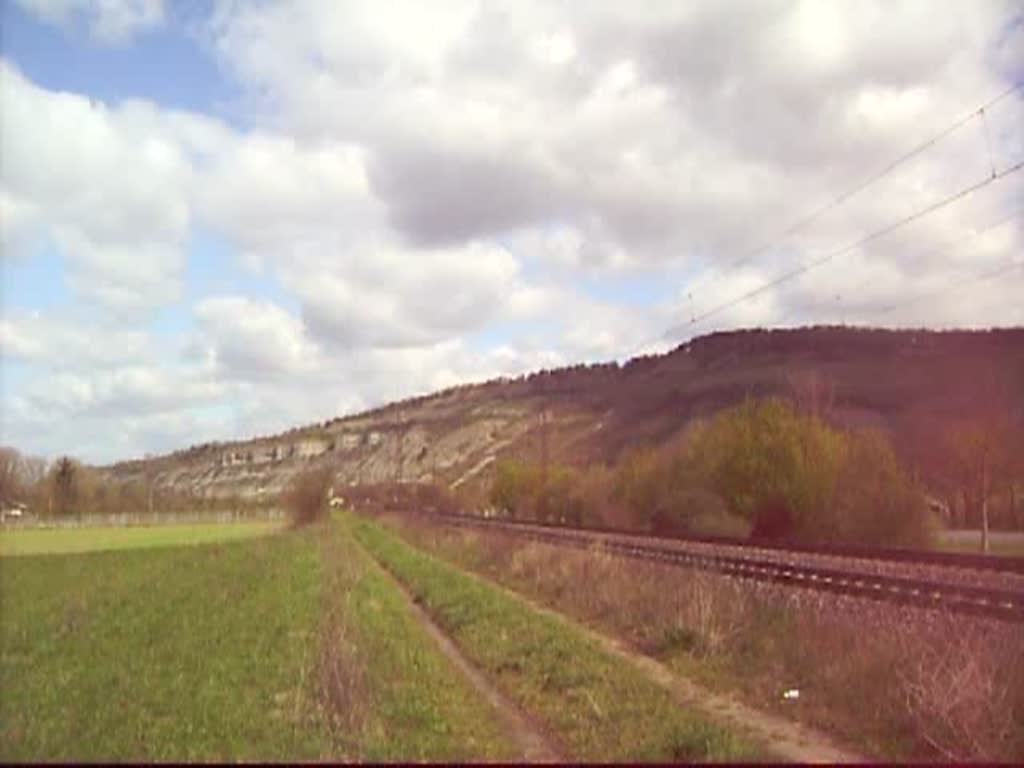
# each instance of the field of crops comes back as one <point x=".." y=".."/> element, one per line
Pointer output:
<point x="177" y="653"/>
<point x="41" y="541"/>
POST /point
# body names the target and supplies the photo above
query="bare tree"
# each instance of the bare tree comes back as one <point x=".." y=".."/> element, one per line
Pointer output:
<point x="65" y="488"/>
<point x="984" y="447"/>
<point x="33" y="471"/>
<point x="10" y="471"/>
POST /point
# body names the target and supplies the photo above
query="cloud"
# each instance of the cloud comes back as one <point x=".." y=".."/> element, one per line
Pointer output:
<point x="658" y="132"/>
<point x="447" y="192"/>
<point x="108" y="186"/>
<point x="252" y="339"/>
<point x="273" y="195"/>
<point x="111" y="22"/>
<point x="389" y="296"/>
<point x="66" y="343"/>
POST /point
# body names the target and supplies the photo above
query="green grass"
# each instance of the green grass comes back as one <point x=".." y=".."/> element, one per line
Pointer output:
<point x="37" y="541"/>
<point x="600" y="708"/>
<point x="419" y="706"/>
<point x="186" y="653"/>
<point x="214" y="652"/>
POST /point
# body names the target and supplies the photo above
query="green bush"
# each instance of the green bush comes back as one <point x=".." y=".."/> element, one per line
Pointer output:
<point x="764" y="455"/>
<point x="527" y="491"/>
<point x="874" y="501"/>
<point x="513" y="485"/>
<point x="792" y="476"/>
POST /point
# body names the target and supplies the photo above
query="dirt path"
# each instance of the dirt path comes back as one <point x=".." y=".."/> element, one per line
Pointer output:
<point x="533" y="745"/>
<point x="790" y="741"/>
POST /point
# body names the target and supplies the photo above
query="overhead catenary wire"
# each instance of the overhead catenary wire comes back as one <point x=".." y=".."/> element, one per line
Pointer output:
<point x="843" y="197"/>
<point x="989" y="274"/>
<point x="997" y="224"/>
<point x="875" y="235"/>
<point x="877" y="176"/>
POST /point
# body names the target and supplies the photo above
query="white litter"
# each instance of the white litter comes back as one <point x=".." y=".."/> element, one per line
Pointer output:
<point x="792" y="693"/>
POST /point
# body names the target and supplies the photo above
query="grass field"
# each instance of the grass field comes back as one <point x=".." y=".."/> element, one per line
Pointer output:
<point x="225" y="651"/>
<point x="179" y="653"/>
<point x="599" y="708"/>
<point x="38" y="541"/>
<point x="299" y="646"/>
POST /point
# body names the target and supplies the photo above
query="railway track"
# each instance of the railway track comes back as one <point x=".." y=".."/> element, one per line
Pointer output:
<point x="864" y="574"/>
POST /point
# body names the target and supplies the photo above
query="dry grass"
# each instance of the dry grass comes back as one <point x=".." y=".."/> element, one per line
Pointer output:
<point x="965" y="694"/>
<point x="896" y="682"/>
<point x="342" y="689"/>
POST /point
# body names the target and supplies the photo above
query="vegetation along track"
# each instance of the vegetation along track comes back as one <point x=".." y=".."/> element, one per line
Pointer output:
<point x="893" y="579"/>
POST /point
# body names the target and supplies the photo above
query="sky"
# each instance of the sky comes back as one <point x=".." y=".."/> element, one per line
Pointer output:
<point x="225" y="219"/>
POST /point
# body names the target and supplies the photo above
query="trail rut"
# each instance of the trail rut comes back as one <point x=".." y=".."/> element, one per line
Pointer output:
<point x="534" y="746"/>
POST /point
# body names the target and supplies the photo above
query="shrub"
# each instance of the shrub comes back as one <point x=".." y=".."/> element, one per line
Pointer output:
<point x="793" y="477"/>
<point x="514" y="483"/>
<point x="874" y="502"/>
<point x="305" y="498"/>
<point x="764" y="454"/>
<point x="664" y="495"/>
<point x="525" y="491"/>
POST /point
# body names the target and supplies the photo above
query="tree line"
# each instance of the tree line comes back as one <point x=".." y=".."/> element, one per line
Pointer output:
<point x="773" y="469"/>
<point x="66" y="487"/>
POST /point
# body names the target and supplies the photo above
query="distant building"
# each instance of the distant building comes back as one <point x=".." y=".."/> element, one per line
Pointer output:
<point x="13" y="510"/>
<point x="939" y="508"/>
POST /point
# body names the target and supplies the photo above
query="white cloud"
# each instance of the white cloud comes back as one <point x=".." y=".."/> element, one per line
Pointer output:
<point x="386" y="295"/>
<point x="67" y="343"/>
<point x="254" y="339"/>
<point x="669" y="133"/>
<point x="110" y="21"/>
<point x="108" y="186"/>
<point x="272" y="195"/>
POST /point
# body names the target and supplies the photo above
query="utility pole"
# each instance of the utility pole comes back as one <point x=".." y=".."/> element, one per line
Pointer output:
<point x="984" y="502"/>
<point x="543" y="511"/>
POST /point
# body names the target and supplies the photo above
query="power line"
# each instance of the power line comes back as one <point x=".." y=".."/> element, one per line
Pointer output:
<point x="804" y="268"/>
<point x="960" y="241"/>
<point x="990" y="274"/>
<point x="875" y="177"/>
<point x="842" y="198"/>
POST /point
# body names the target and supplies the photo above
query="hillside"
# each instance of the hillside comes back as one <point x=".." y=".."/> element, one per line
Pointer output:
<point x="906" y="382"/>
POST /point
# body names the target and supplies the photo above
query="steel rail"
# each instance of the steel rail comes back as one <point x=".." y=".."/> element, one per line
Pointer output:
<point x="988" y="602"/>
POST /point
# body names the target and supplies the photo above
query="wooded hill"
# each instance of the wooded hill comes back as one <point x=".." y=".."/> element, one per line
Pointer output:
<point x="938" y="395"/>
